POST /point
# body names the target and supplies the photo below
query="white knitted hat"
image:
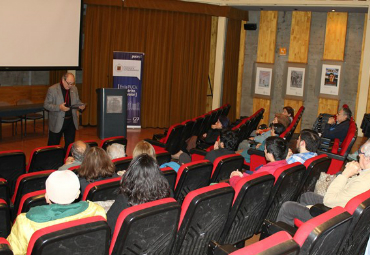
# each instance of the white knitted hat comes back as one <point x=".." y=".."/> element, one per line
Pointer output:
<point x="62" y="187"/>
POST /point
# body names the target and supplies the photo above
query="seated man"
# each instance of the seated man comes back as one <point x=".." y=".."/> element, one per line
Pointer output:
<point x="116" y="150"/>
<point x="62" y="188"/>
<point x="307" y="144"/>
<point x="339" y="128"/>
<point x="78" y="150"/>
<point x="225" y="146"/>
<point x="276" y="151"/>
<point x="353" y="181"/>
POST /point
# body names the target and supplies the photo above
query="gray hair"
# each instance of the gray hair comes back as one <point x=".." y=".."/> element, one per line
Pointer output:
<point x="116" y="150"/>
<point x="366" y="148"/>
<point x="79" y="151"/>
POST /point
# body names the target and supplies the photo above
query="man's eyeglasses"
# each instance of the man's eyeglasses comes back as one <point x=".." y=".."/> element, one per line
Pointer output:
<point x="360" y="152"/>
<point x="70" y="83"/>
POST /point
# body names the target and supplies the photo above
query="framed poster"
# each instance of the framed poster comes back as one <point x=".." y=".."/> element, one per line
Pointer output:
<point x="295" y="81"/>
<point x="330" y="78"/>
<point x="263" y="81"/>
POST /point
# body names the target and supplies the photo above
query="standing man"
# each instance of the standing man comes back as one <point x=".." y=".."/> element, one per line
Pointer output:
<point x="62" y="119"/>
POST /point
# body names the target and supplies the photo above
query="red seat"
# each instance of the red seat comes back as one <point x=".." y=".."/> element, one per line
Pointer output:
<point x="197" y="125"/>
<point x="4" y="191"/>
<point x="170" y="175"/>
<point x="340" y="151"/>
<point x="162" y="157"/>
<point x="288" y="133"/>
<point x="83" y="236"/>
<point x="5" y="223"/>
<point x="110" y="140"/>
<point x="102" y="190"/>
<point x="122" y="163"/>
<point x="5" y="248"/>
<point x="224" y="165"/>
<point x="12" y="165"/>
<point x="148" y="228"/>
<point x="251" y="196"/>
<point x="192" y="176"/>
<point x="27" y="183"/>
<point x="171" y="142"/>
<point x="30" y="200"/>
<point x="203" y="216"/>
<point x="44" y="158"/>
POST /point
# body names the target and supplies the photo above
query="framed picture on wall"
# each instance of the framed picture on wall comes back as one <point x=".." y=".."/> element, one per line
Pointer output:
<point x="263" y="82"/>
<point x="295" y="81"/>
<point x="330" y="79"/>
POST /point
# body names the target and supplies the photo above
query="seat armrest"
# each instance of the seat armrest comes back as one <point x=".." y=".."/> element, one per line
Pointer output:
<point x="198" y="151"/>
<point x="318" y="209"/>
<point x="157" y="143"/>
<point x="252" y="151"/>
<point x="325" y="140"/>
<point x="269" y="228"/>
<point x="331" y="155"/>
<point x="215" y="248"/>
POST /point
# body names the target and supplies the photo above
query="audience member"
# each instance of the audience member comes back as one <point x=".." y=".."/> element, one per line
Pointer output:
<point x="116" y="150"/>
<point x="353" y="181"/>
<point x="276" y="151"/>
<point x="288" y="111"/>
<point x="143" y="182"/>
<point x="144" y="147"/>
<point x="276" y="130"/>
<point x="339" y="128"/>
<point x="62" y="188"/>
<point x="78" y="150"/>
<point x="96" y="166"/>
<point x="307" y="144"/>
<point x="225" y="146"/>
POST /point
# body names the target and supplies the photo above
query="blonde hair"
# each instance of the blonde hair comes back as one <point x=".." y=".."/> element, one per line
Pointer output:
<point x="143" y="147"/>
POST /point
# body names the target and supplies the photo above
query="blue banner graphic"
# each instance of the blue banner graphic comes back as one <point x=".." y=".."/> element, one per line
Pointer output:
<point x="127" y="74"/>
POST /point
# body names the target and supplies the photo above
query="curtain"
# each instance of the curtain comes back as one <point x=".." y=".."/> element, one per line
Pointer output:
<point x="231" y="66"/>
<point x="176" y="47"/>
<point x="55" y="76"/>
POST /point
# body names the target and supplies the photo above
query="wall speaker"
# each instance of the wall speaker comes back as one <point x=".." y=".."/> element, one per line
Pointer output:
<point x="251" y="26"/>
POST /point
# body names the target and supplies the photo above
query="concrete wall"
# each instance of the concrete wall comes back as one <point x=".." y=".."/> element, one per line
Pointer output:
<point x="350" y="68"/>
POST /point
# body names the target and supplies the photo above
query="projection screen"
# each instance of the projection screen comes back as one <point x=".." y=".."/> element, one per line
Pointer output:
<point x="40" y="34"/>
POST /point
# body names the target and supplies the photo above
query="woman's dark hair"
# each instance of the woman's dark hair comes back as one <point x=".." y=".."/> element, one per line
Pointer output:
<point x="143" y="181"/>
<point x="96" y="164"/>
<point x="278" y="128"/>
<point x="289" y="110"/>
<point x="277" y="147"/>
<point x="311" y="138"/>
<point x="224" y="121"/>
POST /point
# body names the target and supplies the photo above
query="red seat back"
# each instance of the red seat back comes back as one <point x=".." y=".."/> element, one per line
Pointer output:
<point x="102" y="190"/>
<point x="224" y="165"/>
<point x="44" y="158"/>
<point x="110" y="140"/>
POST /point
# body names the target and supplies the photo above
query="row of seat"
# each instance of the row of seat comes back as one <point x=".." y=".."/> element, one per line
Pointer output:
<point x="173" y="139"/>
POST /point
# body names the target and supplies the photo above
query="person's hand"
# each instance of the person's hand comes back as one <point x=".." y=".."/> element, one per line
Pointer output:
<point x="81" y="107"/>
<point x="352" y="168"/>
<point x="331" y="121"/>
<point x="290" y="153"/>
<point x="251" y="138"/>
<point x="213" y="126"/>
<point x="69" y="160"/>
<point x="258" y="145"/>
<point x="236" y="173"/>
<point x="204" y="135"/>
<point x="63" y="107"/>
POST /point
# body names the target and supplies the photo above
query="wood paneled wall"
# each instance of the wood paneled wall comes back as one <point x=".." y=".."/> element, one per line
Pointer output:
<point x="266" y="54"/>
<point x="299" y="37"/>
<point x="11" y="94"/>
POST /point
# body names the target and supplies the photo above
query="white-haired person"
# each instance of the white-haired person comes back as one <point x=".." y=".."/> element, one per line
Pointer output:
<point x="62" y="189"/>
<point x="116" y="150"/>
<point x="353" y="181"/>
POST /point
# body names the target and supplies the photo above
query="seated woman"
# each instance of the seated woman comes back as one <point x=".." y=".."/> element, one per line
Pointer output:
<point x="143" y="147"/>
<point x="96" y="166"/>
<point x="276" y="130"/>
<point x="289" y="112"/>
<point x="143" y="182"/>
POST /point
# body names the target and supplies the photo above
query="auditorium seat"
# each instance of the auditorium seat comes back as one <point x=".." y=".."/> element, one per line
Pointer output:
<point x="82" y="236"/>
<point x="192" y="176"/>
<point x="4" y="190"/>
<point x="224" y="165"/>
<point x="45" y="158"/>
<point x="203" y="216"/>
<point x="12" y="165"/>
<point x="251" y="196"/>
<point x="122" y="163"/>
<point x="170" y="175"/>
<point x="30" y="200"/>
<point x="5" y="248"/>
<point x="5" y="223"/>
<point x="148" y="228"/>
<point x="102" y="190"/>
<point x="115" y="139"/>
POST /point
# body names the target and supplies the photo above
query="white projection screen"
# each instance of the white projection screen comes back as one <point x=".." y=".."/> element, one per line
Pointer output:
<point x="40" y="34"/>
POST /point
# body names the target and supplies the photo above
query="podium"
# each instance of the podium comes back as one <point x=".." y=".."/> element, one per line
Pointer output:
<point x="112" y="112"/>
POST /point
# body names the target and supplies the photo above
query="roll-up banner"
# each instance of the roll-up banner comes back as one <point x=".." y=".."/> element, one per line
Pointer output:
<point x="127" y="74"/>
